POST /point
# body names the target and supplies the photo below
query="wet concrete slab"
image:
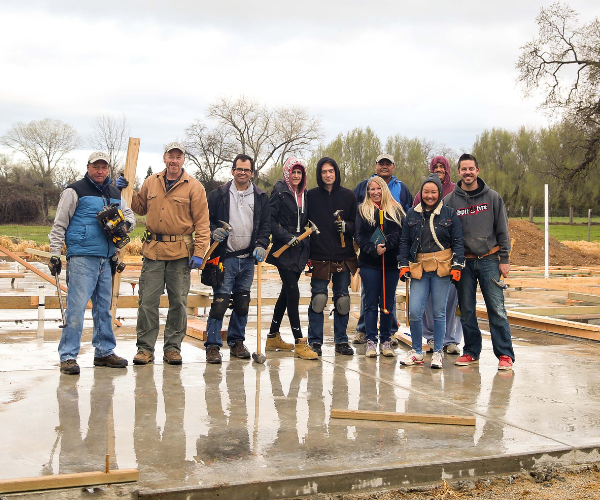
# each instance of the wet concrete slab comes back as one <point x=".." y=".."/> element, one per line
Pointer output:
<point x="207" y="426"/>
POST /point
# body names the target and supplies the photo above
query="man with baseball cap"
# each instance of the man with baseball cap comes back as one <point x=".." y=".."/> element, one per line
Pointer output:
<point x="174" y="204"/>
<point x="89" y="260"/>
<point x="384" y="168"/>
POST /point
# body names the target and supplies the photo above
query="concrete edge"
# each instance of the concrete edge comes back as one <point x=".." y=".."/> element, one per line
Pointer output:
<point x="387" y="477"/>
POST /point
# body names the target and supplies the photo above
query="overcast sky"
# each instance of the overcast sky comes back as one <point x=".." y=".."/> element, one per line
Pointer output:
<point x="444" y="71"/>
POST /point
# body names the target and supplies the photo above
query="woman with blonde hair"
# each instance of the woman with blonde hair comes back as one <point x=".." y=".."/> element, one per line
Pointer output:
<point x="377" y="234"/>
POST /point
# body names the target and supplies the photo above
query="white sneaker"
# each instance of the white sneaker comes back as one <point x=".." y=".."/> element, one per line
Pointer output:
<point x="452" y="349"/>
<point x="431" y="343"/>
<point x="371" y="349"/>
<point x="412" y="358"/>
<point x="386" y="349"/>
<point x="436" y="360"/>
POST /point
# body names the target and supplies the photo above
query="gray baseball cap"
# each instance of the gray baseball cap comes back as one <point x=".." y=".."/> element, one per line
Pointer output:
<point x="385" y="157"/>
<point x="174" y="145"/>
<point x="98" y="155"/>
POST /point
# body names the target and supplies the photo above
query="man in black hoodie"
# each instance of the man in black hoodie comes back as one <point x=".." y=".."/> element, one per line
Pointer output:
<point x="331" y="260"/>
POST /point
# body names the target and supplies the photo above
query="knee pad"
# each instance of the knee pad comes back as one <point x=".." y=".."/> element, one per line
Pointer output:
<point x="241" y="303"/>
<point x="318" y="302"/>
<point x="219" y="306"/>
<point x="342" y="304"/>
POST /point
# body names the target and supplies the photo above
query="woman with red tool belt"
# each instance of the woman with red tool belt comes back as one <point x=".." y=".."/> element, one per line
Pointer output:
<point x="431" y="254"/>
<point x="377" y="234"/>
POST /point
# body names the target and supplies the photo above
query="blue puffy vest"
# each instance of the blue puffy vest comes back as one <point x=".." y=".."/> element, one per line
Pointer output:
<point x="84" y="236"/>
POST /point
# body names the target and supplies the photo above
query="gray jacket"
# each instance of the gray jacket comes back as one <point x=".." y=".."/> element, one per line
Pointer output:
<point x="484" y="220"/>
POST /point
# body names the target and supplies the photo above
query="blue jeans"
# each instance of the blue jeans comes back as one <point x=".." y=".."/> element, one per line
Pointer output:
<point x="88" y="278"/>
<point x="341" y="282"/>
<point x="238" y="277"/>
<point x="454" y="331"/>
<point x="429" y="284"/>
<point x="360" y="326"/>
<point x="372" y="297"/>
<point x="483" y="270"/>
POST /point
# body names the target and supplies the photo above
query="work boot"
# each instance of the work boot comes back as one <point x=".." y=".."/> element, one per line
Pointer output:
<point x="452" y="349"/>
<point x="276" y="343"/>
<point x="239" y="350"/>
<point x="386" y="349"/>
<point x="172" y="357"/>
<point x="315" y="346"/>
<point x="112" y="361"/>
<point x="143" y="357"/>
<point x="213" y="355"/>
<point x="344" y="348"/>
<point x="371" y="351"/>
<point x="69" y="367"/>
<point x="360" y="338"/>
<point x="303" y="351"/>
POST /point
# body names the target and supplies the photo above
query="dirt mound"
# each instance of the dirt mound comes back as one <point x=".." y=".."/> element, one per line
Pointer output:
<point x="528" y="248"/>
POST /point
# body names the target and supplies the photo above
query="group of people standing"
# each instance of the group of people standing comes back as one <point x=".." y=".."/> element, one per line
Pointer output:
<point x="444" y="247"/>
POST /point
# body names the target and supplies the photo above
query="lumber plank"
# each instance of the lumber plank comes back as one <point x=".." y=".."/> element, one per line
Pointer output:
<point x="196" y="329"/>
<point x="41" y="253"/>
<point x="68" y="480"/>
<point x="389" y="416"/>
<point x="12" y="275"/>
<point x="407" y="339"/>
<point x="584" y="297"/>
<point x="27" y="265"/>
<point x="557" y="310"/>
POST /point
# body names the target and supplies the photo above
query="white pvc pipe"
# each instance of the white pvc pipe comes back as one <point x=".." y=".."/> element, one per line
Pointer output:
<point x="41" y="312"/>
<point x="546" y="234"/>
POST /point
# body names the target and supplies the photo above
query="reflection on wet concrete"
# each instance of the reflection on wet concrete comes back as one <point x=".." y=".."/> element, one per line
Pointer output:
<point x="203" y="424"/>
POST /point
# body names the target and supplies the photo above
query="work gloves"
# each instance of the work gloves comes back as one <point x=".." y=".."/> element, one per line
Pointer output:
<point x="122" y="183"/>
<point x="340" y="226"/>
<point x="260" y="254"/>
<point x="404" y="273"/>
<point x="121" y="230"/>
<point x="195" y="262"/>
<point x="455" y="273"/>
<point x="55" y="265"/>
<point x="220" y="234"/>
<point x="293" y="242"/>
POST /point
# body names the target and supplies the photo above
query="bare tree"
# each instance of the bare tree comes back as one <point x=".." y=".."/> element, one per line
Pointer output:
<point x="110" y="135"/>
<point x="564" y="63"/>
<point x="209" y="150"/>
<point x="46" y="144"/>
<point x="268" y="135"/>
<point x="6" y="165"/>
<point x="66" y="174"/>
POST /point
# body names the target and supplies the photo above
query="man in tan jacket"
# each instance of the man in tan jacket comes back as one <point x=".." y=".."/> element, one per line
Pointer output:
<point x="175" y="206"/>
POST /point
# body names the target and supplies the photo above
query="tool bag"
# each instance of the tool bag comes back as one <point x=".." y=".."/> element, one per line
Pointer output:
<point x="213" y="273"/>
<point x="434" y="261"/>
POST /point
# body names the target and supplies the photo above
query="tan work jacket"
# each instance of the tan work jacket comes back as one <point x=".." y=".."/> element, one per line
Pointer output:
<point x="180" y="211"/>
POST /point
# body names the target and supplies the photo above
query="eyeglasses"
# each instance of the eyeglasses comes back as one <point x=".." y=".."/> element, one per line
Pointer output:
<point x="242" y="170"/>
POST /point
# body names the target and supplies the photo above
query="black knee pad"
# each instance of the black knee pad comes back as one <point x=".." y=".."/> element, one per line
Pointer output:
<point x="342" y="304"/>
<point x="219" y="306"/>
<point x="318" y="302"/>
<point x="241" y="303"/>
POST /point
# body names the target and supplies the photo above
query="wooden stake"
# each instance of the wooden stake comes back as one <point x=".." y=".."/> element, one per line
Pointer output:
<point x="389" y="416"/>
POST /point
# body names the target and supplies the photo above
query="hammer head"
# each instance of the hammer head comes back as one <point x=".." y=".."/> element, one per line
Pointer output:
<point x="259" y="358"/>
<point x="225" y="226"/>
<point x="312" y="226"/>
<point x="338" y="213"/>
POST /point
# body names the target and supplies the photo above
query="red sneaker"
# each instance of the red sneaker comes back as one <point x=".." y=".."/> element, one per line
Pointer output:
<point x="505" y="363"/>
<point x="465" y="360"/>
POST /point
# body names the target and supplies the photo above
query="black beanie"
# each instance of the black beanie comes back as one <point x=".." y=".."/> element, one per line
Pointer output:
<point x="435" y="178"/>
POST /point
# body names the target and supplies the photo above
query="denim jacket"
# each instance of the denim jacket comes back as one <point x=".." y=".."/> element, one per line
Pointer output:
<point x="448" y="231"/>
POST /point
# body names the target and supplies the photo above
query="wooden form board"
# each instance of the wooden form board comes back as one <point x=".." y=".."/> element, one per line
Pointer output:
<point x="68" y="480"/>
<point x="584" y="297"/>
<point x="406" y="339"/>
<point x="196" y="328"/>
<point x="418" y="418"/>
<point x="41" y="253"/>
<point x="558" y="310"/>
<point x="27" y="265"/>
<point x="12" y="275"/>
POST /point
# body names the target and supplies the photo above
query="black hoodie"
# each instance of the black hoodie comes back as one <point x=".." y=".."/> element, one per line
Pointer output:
<point x="321" y="204"/>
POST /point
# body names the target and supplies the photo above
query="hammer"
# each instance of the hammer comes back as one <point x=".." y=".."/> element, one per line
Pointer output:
<point x="311" y="228"/>
<point x="258" y="356"/>
<point x="337" y="214"/>
<point x="207" y="255"/>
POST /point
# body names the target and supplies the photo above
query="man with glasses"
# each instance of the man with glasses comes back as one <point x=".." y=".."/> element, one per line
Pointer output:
<point x="174" y="204"/>
<point x="89" y="271"/>
<point x="384" y="168"/>
<point x="245" y="209"/>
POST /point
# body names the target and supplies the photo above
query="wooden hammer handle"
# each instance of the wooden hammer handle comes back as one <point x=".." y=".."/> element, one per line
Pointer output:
<point x="342" y="235"/>
<point x="208" y="254"/>
<point x="303" y="236"/>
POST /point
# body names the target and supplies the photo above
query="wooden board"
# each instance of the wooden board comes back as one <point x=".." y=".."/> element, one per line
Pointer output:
<point x="41" y="253"/>
<point x="68" y="480"/>
<point x="418" y="418"/>
<point x="196" y="328"/>
<point x="407" y="339"/>
<point x="12" y="275"/>
<point x="27" y="265"/>
<point x="584" y="297"/>
<point x="558" y="310"/>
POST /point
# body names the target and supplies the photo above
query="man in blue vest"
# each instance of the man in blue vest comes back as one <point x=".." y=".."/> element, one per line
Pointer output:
<point x="89" y="259"/>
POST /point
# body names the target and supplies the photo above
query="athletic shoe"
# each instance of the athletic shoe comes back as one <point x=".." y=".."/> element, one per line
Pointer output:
<point x="394" y="341"/>
<point x="505" y="363"/>
<point x="303" y="351"/>
<point x="371" y="349"/>
<point x="466" y="360"/>
<point x="452" y="349"/>
<point x="386" y="349"/>
<point x="344" y="348"/>
<point x="431" y="344"/>
<point x="315" y="346"/>
<point x="360" y="338"/>
<point x="436" y="360"/>
<point x="277" y="344"/>
<point x="412" y="358"/>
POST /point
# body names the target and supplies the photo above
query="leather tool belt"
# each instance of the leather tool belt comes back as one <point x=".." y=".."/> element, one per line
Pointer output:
<point x="434" y="261"/>
<point x="473" y="256"/>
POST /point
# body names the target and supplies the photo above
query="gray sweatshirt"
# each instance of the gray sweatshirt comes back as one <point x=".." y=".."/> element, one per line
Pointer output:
<point x="484" y="220"/>
<point x="241" y="218"/>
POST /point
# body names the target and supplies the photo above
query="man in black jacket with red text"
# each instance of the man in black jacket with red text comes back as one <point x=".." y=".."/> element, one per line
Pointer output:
<point x="333" y="209"/>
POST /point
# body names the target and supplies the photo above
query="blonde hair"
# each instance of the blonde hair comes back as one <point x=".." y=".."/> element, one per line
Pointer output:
<point x="392" y="210"/>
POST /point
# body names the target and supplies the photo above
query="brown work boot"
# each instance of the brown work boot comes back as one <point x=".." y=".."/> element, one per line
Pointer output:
<point x="303" y="351"/>
<point x="112" y="361"/>
<point x="213" y="354"/>
<point x="276" y="343"/>
<point x="239" y="350"/>
<point x="172" y="357"/>
<point x="69" y="367"/>
<point x="143" y="357"/>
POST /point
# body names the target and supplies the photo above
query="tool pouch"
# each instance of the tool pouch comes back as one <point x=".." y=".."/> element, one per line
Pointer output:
<point x="114" y="261"/>
<point x="213" y="273"/>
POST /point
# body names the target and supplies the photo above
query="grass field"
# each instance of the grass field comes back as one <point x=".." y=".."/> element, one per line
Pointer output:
<point x="39" y="234"/>
<point x="565" y="220"/>
<point x="572" y="233"/>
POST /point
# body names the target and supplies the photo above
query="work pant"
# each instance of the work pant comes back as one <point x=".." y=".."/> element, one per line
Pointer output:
<point x="88" y="278"/>
<point x="289" y="298"/>
<point x="483" y="271"/>
<point x="372" y="297"/>
<point x="454" y="330"/>
<point x="155" y="276"/>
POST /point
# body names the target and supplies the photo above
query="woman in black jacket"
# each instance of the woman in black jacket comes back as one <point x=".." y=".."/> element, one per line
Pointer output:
<point x="378" y="251"/>
<point x="288" y="218"/>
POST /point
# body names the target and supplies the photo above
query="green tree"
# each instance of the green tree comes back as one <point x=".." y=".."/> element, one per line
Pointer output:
<point x="148" y="172"/>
